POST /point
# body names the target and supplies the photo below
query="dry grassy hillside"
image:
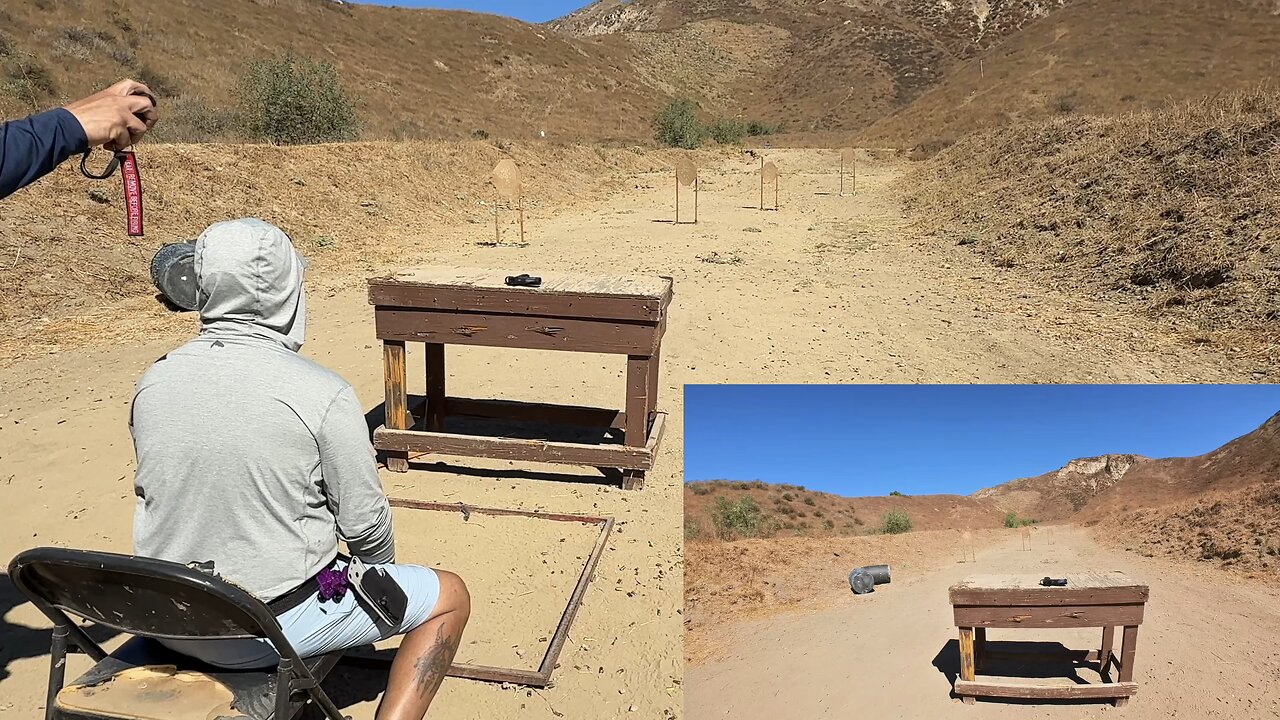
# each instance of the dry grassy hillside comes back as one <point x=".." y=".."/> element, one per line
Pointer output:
<point x="793" y="510"/>
<point x="1237" y="529"/>
<point x="1096" y="57"/>
<point x="814" y="67"/>
<point x="1246" y="462"/>
<point x="1172" y="212"/>
<point x="415" y="73"/>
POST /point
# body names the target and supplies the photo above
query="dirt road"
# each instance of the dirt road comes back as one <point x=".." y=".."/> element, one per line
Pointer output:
<point x="827" y="289"/>
<point x="1207" y="648"/>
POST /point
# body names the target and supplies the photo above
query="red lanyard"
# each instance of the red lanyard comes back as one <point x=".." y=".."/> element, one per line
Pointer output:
<point x="132" y="179"/>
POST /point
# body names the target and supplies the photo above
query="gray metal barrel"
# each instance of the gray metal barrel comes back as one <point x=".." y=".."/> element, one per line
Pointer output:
<point x="173" y="273"/>
<point x="879" y="573"/>
<point x="861" y="582"/>
<point x="864" y="579"/>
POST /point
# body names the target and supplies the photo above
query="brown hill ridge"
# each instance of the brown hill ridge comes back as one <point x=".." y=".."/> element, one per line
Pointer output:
<point x="815" y="67"/>
<point x="1096" y="57"/>
<point x="1058" y="494"/>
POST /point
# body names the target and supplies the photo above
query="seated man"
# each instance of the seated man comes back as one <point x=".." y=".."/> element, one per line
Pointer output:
<point x="257" y="461"/>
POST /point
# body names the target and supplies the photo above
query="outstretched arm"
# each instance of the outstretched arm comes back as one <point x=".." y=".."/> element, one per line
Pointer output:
<point x="32" y="147"/>
<point x="351" y="482"/>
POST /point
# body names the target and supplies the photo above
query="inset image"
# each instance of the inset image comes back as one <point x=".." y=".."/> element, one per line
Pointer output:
<point x="982" y="551"/>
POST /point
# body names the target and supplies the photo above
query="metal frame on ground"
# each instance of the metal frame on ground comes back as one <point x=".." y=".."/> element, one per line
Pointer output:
<point x="534" y="678"/>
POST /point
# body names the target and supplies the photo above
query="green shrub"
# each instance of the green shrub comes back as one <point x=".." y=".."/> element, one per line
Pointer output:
<point x="292" y="100"/>
<point x="677" y="125"/>
<point x="692" y="530"/>
<point x="895" y="493"/>
<point x="894" y="522"/>
<point x="788" y="496"/>
<point x="739" y="518"/>
<point x="700" y="488"/>
<point x="756" y="128"/>
<point x="809" y="501"/>
<point x="1027" y="521"/>
<point x="727" y="131"/>
<point x="1011" y="520"/>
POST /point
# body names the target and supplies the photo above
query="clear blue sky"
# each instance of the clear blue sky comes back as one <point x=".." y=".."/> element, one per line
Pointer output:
<point x="527" y="10"/>
<point x="919" y="439"/>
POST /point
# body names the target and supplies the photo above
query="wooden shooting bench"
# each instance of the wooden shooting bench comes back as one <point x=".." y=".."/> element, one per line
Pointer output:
<point x="438" y="306"/>
<point x="1105" y="600"/>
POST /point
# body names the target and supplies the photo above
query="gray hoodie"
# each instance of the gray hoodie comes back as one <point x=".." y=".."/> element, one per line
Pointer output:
<point x="249" y="455"/>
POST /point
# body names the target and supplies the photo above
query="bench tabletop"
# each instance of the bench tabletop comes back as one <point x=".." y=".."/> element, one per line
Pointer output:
<point x="553" y="282"/>
<point x="1082" y="588"/>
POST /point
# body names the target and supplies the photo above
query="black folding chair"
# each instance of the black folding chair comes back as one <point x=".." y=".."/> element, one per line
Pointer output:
<point x="154" y="599"/>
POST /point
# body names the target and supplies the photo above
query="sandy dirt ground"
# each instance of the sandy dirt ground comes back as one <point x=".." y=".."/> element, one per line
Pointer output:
<point x="827" y="289"/>
<point x="1207" y="647"/>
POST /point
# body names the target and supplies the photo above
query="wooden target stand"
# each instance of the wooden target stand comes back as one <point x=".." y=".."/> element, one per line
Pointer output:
<point x="768" y="174"/>
<point x="381" y="659"/>
<point x="848" y="168"/>
<point x="686" y="175"/>
<point x="508" y="185"/>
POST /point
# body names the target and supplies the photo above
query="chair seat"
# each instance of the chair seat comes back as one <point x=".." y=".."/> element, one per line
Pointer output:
<point x="144" y="680"/>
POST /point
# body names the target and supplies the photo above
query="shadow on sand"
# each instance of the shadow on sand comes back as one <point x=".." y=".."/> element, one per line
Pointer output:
<point x="1043" y="660"/>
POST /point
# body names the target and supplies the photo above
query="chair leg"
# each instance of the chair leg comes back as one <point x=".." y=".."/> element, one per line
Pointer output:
<point x="57" y="671"/>
<point x="284" y="689"/>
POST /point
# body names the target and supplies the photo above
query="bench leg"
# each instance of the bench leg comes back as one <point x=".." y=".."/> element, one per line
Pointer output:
<point x="979" y="647"/>
<point x="1128" y="648"/>
<point x="1108" y="641"/>
<point x="652" y="407"/>
<point x="639" y="402"/>
<point x="435" y="387"/>
<point x="397" y="412"/>
<point x="966" y="660"/>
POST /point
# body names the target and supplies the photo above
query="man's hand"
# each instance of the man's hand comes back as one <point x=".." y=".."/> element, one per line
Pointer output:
<point x="117" y="117"/>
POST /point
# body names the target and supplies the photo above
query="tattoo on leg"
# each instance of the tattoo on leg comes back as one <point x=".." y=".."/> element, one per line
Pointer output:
<point x="433" y="666"/>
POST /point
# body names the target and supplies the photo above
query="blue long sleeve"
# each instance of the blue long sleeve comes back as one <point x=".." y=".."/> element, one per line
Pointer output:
<point x="32" y="147"/>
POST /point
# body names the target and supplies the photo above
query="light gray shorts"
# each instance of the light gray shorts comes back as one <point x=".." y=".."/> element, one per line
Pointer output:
<point x="319" y="627"/>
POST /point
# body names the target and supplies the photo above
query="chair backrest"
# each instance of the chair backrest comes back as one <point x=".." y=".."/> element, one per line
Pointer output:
<point x="141" y="596"/>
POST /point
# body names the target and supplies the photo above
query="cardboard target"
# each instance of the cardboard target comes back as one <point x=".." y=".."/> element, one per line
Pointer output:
<point x="769" y="173"/>
<point x="506" y="178"/>
<point x="849" y="156"/>
<point x="686" y="171"/>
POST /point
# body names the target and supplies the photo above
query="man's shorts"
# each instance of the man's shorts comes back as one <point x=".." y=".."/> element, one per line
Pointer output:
<point x="319" y="627"/>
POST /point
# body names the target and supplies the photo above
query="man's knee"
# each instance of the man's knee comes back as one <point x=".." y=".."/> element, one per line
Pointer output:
<point x="454" y="596"/>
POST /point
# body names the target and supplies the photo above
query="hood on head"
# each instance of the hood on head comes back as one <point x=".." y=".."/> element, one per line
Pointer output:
<point x="249" y="282"/>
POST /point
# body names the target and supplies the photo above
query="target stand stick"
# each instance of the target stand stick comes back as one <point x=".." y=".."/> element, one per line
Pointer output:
<point x="841" y="174"/>
<point x="695" y="200"/>
<point x="677" y="199"/>
<point x="521" y="218"/>
<point x="497" y="231"/>
<point x="761" y="183"/>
